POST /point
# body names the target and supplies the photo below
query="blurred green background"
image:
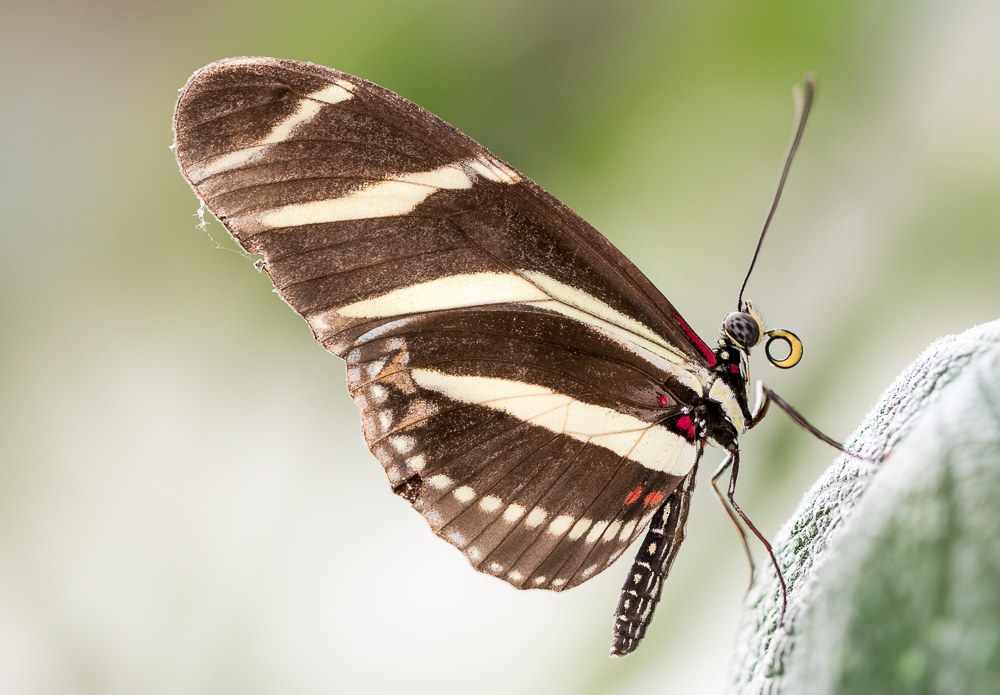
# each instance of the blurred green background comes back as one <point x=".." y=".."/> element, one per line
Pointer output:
<point x="186" y="505"/>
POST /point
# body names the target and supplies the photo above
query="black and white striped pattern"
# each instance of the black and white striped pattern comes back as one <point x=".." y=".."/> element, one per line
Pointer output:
<point x="525" y="387"/>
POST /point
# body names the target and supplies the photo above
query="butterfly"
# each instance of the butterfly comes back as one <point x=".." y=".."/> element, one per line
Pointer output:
<point x="526" y="388"/>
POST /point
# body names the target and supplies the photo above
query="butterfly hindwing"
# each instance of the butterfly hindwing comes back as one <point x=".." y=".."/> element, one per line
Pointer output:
<point x="515" y="372"/>
<point x="490" y="445"/>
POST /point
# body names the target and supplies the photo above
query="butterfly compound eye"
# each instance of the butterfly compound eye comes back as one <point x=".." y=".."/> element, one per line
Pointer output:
<point x="742" y="328"/>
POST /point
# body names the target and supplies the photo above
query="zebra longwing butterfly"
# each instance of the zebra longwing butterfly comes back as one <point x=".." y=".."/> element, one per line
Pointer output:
<point x="525" y="387"/>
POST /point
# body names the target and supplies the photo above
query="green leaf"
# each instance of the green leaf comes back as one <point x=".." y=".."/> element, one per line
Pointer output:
<point x="894" y="567"/>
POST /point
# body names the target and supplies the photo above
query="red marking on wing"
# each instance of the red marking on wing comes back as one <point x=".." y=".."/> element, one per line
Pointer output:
<point x="699" y="343"/>
<point x="663" y="401"/>
<point x="633" y="496"/>
<point x="685" y="423"/>
<point x="734" y="368"/>
<point x="652" y="498"/>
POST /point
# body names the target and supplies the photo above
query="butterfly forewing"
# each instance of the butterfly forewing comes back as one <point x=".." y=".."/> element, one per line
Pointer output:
<point x="516" y="374"/>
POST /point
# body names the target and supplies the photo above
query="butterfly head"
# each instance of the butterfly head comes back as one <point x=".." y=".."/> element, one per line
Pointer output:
<point x="746" y="330"/>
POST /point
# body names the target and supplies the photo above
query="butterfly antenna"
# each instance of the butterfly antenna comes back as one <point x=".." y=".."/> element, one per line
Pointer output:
<point x="804" y="94"/>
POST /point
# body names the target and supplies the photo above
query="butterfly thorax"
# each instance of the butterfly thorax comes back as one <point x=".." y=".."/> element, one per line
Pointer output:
<point x="721" y="412"/>
<point x="728" y="388"/>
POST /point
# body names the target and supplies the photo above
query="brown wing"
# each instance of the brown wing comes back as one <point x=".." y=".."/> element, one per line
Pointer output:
<point x="513" y="369"/>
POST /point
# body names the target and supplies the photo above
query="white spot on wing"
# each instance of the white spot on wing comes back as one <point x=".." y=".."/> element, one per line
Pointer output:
<point x="464" y="493"/>
<point x="513" y="513"/>
<point x="579" y="528"/>
<point x="560" y="525"/>
<point x="378" y="393"/>
<point x="373" y="369"/>
<point x="535" y="517"/>
<point x="596" y="530"/>
<point x="627" y="531"/>
<point x="612" y="531"/>
<point x="516" y="576"/>
<point x="385" y="420"/>
<point x="416" y="463"/>
<point x="402" y="443"/>
<point x="490" y="503"/>
<point x="439" y="481"/>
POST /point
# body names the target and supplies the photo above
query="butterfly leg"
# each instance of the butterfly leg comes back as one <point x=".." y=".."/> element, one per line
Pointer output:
<point x="723" y="467"/>
<point x="733" y="462"/>
<point x="644" y="582"/>
<point x="766" y="396"/>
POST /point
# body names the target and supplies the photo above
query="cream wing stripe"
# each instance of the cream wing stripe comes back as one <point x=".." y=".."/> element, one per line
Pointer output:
<point x="306" y="111"/>
<point x="396" y="196"/>
<point x="649" y="445"/>
<point x="484" y="289"/>
<point x="617" y="332"/>
<point x="200" y="172"/>
<point x="451" y="292"/>
<point x="588" y="304"/>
